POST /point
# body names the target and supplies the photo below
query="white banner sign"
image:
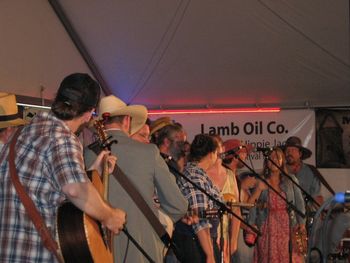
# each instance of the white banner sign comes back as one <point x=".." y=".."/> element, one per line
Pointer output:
<point x="258" y="129"/>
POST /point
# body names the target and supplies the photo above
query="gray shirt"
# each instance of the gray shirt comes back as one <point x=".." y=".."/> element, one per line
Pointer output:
<point x="147" y="170"/>
<point x="308" y="181"/>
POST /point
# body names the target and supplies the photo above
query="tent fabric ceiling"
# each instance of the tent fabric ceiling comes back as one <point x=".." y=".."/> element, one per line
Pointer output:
<point x="176" y="54"/>
<point x="35" y="49"/>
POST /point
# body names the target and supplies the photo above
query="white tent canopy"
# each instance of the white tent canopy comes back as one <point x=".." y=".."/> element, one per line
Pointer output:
<point x="184" y="54"/>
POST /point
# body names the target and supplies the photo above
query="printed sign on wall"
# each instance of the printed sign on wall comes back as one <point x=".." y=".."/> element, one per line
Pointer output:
<point x="258" y="129"/>
<point x="333" y="138"/>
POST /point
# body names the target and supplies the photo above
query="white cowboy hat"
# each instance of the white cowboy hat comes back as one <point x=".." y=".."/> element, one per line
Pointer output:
<point x="116" y="107"/>
<point x="9" y="111"/>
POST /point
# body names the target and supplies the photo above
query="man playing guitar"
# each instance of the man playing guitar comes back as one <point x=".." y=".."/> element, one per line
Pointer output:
<point x="49" y="164"/>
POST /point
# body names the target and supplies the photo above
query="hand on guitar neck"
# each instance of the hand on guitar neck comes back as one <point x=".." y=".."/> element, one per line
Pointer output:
<point x="103" y="158"/>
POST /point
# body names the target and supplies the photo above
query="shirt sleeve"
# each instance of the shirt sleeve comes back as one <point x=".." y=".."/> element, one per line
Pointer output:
<point x="315" y="187"/>
<point x="198" y="202"/>
<point x="299" y="201"/>
<point x="171" y="199"/>
<point x="67" y="159"/>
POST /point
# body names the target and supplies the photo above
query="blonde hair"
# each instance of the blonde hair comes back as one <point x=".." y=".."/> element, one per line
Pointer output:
<point x="280" y="154"/>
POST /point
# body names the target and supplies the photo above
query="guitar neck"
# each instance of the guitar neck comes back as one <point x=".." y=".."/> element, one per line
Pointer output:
<point x="204" y="214"/>
<point x="105" y="178"/>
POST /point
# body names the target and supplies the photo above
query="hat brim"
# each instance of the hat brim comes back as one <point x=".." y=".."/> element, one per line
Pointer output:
<point x="138" y="114"/>
<point x="156" y="127"/>
<point x="12" y="123"/>
<point x="305" y="152"/>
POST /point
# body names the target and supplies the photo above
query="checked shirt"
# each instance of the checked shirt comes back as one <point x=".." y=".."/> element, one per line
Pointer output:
<point x="48" y="156"/>
<point x="197" y="200"/>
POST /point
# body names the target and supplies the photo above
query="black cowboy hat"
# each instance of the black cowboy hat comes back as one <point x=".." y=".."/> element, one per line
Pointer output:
<point x="296" y="142"/>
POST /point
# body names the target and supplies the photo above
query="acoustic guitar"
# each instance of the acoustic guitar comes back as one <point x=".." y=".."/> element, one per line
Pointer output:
<point x="80" y="237"/>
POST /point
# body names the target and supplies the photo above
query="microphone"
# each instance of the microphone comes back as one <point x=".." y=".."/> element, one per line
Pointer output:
<point x="232" y="151"/>
<point x="264" y="149"/>
<point x="342" y="197"/>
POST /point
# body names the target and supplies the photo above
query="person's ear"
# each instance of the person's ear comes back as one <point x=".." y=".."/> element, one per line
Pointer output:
<point x="167" y="142"/>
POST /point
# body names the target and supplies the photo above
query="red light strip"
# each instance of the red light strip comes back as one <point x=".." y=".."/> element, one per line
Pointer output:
<point x="214" y="111"/>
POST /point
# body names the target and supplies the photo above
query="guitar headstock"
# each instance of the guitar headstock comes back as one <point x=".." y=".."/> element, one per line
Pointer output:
<point x="103" y="141"/>
<point x="100" y="129"/>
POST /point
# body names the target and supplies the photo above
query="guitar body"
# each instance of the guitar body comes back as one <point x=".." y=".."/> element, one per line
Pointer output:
<point x="79" y="236"/>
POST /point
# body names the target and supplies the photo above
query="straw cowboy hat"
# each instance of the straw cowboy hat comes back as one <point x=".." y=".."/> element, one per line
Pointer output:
<point x="116" y="107"/>
<point x="160" y="123"/>
<point x="296" y="142"/>
<point x="9" y="115"/>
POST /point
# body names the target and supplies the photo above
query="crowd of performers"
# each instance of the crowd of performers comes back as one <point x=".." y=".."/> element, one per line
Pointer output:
<point x="213" y="207"/>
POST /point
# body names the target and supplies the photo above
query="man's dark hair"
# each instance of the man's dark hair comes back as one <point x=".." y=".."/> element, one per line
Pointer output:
<point x="202" y="145"/>
<point x="165" y="132"/>
<point x="114" y="119"/>
<point x="77" y="94"/>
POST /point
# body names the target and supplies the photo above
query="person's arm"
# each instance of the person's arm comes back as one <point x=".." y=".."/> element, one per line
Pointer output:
<point x="235" y="226"/>
<point x="67" y="166"/>
<point x="86" y="198"/>
<point x="235" y="223"/>
<point x="172" y="201"/>
<point x="206" y="244"/>
<point x="261" y="186"/>
<point x="298" y="201"/>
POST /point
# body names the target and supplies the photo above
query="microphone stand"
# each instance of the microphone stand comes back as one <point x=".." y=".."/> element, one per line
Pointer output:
<point x="293" y="207"/>
<point x="307" y="196"/>
<point x="137" y="245"/>
<point x="223" y="208"/>
<point x="290" y="205"/>
<point x="290" y="245"/>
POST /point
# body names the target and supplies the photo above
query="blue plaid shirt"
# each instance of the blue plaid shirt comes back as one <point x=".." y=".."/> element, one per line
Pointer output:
<point x="197" y="200"/>
<point x="48" y="156"/>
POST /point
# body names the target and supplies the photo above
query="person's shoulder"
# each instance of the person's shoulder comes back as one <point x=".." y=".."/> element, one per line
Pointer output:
<point x="47" y="130"/>
<point x="142" y="147"/>
<point x="311" y="170"/>
<point x="150" y="147"/>
<point x="50" y="124"/>
<point x="192" y="169"/>
<point x="310" y="167"/>
<point x="229" y="172"/>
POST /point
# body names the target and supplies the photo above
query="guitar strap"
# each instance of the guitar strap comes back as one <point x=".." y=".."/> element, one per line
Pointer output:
<point x="29" y="205"/>
<point x="124" y="181"/>
<point x="321" y="178"/>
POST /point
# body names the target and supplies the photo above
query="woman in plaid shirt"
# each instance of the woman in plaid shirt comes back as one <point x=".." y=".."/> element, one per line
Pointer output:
<point x="197" y="242"/>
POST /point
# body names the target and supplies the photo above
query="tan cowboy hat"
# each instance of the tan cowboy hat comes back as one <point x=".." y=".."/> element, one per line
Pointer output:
<point x="160" y="123"/>
<point x="295" y="141"/>
<point x="9" y="115"/>
<point x="116" y="107"/>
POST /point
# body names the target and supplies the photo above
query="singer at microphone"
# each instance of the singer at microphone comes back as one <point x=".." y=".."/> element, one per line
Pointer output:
<point x="264" y="149"/>
<point x="233" y="151"/>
